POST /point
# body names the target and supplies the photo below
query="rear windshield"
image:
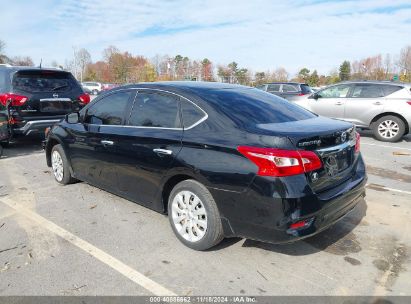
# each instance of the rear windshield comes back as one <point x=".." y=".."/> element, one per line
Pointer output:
<point x="305" y="88"/>
<point x="43" y="81"/>
<point x="253" y="107"/>
<point x="2" y="80"/>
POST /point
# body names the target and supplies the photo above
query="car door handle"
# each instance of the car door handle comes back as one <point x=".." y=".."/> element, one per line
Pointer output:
<point x="163" y="151"/>
<point x="339" y="103"/>
<point x="107" y="142"/>
<point x="378" y="103"/>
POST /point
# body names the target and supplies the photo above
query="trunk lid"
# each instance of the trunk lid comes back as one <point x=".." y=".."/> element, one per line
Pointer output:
<point x="332" y="140"/>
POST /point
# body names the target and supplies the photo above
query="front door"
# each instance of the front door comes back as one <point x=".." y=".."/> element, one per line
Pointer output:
<point x="93" y="150"/>
<point x="330" y="102"/>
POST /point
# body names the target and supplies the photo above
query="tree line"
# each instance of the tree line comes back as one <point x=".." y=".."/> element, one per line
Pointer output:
<point x="121" y="67"/>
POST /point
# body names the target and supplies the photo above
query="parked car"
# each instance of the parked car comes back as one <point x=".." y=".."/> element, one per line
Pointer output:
<point x="37" y="98"/>
<point x="287" y="90"/>
<point x="93" y="87"/>
<point x="222" y="160"/>
<point x="383" y="107"/>
<point x="109" y="86"/>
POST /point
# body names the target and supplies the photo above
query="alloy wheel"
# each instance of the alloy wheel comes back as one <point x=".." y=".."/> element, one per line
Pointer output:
<point x="388" y="129"/>
<point x="189" y="216"/>
<point x="57" y="165"/>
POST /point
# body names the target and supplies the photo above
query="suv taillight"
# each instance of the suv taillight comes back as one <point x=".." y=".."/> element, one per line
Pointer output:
<point x="357" y="142"/>
<point x="16" y="100"/>
<point x="84" y="98"/>
<point x="277" y="162"/>
<point x="409" y="102"/>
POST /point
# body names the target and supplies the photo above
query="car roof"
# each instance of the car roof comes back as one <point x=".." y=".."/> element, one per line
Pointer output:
<point x="286" y="82"/>
<point x="181" y="86"/>
<point x="28" y="68"/>
<point x="376" y="82"/>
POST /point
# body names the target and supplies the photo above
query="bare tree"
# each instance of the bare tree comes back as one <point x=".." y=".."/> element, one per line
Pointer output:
<point x="404" y="62"/>
<point x="23" y="61"/>
<point x="83" y="59"/>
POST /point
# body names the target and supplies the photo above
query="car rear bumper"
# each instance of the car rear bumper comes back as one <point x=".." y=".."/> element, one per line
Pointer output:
<point x="266" y="211"/>
<point x="35" y="126"/>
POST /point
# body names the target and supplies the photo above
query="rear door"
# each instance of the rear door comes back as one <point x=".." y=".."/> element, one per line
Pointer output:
<point x="331" y="101"/>
<point x="364" y="103"/>
<point x="148" y="145"/>
<point x="48" y="92"/>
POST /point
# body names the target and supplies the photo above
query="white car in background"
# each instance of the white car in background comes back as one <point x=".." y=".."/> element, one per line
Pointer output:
<point x="93" y="87"/>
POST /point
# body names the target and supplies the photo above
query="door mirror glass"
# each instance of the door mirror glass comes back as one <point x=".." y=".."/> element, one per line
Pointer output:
<point x="73" y="118"/>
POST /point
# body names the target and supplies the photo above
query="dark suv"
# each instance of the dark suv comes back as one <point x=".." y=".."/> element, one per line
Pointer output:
<point x="221" y="160"/>
<point x="287" y="90"/>
<point x="34" y="98"/>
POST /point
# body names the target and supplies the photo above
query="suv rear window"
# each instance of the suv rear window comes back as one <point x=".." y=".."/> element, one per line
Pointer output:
<point x="253" y="107"/>
<point x="43" y="81"/>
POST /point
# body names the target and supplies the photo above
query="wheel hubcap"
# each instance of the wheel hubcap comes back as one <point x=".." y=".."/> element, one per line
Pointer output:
<point x="189" y="216"/>
<point x="57" y="165"/>
<point x="388" y="129"/>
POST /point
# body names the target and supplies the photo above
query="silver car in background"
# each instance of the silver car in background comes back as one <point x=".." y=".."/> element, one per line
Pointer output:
<point x="383" y="107"/>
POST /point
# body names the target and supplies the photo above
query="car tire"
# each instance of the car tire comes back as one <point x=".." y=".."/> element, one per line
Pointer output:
<point x="60" y="166"/>
<point x="200" y="227"/>
<point x="389" y="128"/>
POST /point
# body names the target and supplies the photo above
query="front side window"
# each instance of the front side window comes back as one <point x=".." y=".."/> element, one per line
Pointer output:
<point x="155" y="110"/>
<point x="338" y="91"/>
<point x="109" y="110"/>
<point x="367" y="91"/>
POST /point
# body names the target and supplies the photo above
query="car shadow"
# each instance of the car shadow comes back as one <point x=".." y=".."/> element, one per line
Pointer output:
<point x="339" y="239"/>
<point x="22" y="146"/>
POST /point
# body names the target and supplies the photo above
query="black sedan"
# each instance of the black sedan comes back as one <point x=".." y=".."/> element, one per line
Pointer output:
<point x="222" y="160"/>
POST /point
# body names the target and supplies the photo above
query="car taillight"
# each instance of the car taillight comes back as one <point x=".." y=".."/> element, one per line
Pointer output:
<point x="409" y="102"/>
<point x="357" y="142"/>
<point x="301" y="94"/>
<point x="277" y="162"/>
<point x="15" y="100"/>
<point x="84" y="98"/>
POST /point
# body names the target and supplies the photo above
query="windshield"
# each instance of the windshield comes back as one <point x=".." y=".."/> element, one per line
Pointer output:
<point x="253" y="107"/>
<point x="43" y="81"/>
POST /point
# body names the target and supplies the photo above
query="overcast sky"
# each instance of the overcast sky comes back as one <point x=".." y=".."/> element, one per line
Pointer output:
<point x="257" y="34"/>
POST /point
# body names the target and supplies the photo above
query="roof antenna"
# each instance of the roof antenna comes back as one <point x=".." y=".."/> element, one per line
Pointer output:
<point x="41" y="61"/>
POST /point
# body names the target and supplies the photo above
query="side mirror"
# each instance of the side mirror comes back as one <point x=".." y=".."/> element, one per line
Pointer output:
<point x="314" y="96"/>
<point x="73" y="118"/>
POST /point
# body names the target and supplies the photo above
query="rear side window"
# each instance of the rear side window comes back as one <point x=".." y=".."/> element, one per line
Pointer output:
<point x="367" y="91"/>
<point x="389" y="89"/>
<point x="43" y="81"/>
<point x="289" y="88"/>
<point x="273" y="87"/>
<point x="109" y="110"/>
<point x="253" y="107"/>
<point x="191" y="113"/>
<point x="2" y="81"/>
<point x="155" y="110"/>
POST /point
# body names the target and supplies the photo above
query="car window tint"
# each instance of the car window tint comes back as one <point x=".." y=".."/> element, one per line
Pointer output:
<point x="44" y="81"/>
<point x="191" y="113"/>
<point x="338" y="91"/>
<point x="367" y="91"/>
<point x="288" y="88"/>
<point x="306" y="89"/>
<point x="3" y="80"/>
<point x="273" y="87"/>
<point x="253" y="107"/>
<point x="155" y="110"/>
<point x="389" y="89"/>
<point x="109" y="110"/>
